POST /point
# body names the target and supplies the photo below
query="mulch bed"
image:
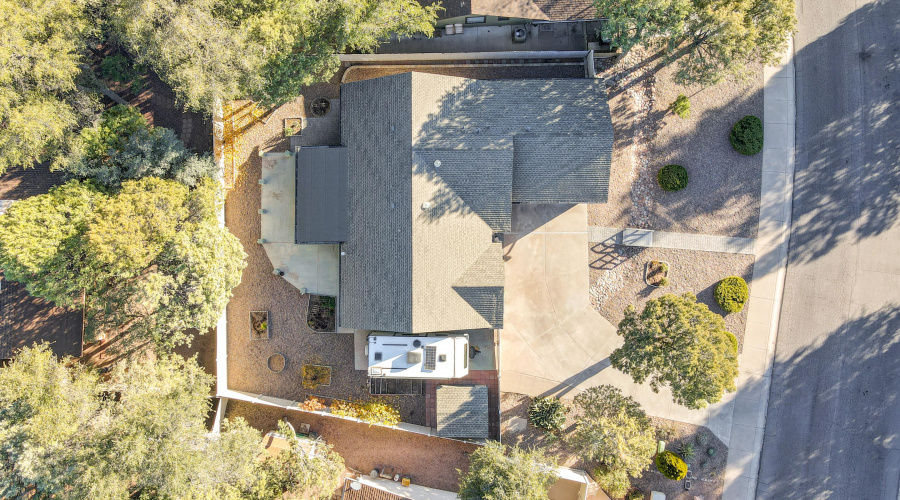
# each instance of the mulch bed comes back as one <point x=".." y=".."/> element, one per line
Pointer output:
<point x="617" y="279"/>
<point x="709" y="482"/>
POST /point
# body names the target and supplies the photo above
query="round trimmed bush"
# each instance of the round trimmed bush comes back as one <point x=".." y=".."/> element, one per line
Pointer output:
<point x="732" y="293"/>
<point x="747" y="135"/>
<point x="671" y="465"/>
<point x="672" y="177"/>
<point x="547" y="413"/>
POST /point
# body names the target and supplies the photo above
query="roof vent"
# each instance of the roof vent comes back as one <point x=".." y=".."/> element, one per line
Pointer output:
<point x="426" y="205"/>
<point x="417" y="343"/>
<point x="377" y="356"/>
<point x="414" y="357"/>
<point x="437" y="163"/>
<point x="442" y="358"/>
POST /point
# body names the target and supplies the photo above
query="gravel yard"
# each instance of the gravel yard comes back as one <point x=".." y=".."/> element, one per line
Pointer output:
<point x="722" y="197"/>
<point x="260" y="290"/>
<point x="429" y="461"/>
<point x="710" y="486"/>
<point x="617" y="279"/>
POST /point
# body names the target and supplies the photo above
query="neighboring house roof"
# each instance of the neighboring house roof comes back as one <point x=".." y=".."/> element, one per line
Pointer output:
<point x="555" y="10"/>
<point x="366" y="492"/>
<point x="321" y="201"/>
<point x="462" y="411"/>
<point x="434" y="163"/>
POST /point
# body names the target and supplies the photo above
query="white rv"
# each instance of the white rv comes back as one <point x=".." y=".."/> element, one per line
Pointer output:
<point x="426" y="357"/>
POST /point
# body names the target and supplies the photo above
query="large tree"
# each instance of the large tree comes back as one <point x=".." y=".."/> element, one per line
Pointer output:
<point x="613" y="429"/>
<point x="495" y="475"/>
<point x="679" y="343"/>
<point x="710" y="38"/>
<point x="41" y="46"/>
<point x="151" y="260"/>
<point x="68" y="434"/>
<point x="121" y="145"/>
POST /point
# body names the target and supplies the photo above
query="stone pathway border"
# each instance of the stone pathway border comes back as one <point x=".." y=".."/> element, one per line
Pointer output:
<point x="680" y="241"/>
<point x="752" y="397"/>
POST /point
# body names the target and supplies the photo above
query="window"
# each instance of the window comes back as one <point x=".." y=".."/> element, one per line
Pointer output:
<point x="476" y="20"/>
<point x="465" y="355"/>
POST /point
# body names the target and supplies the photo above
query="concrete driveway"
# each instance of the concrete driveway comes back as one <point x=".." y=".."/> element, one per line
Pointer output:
<point x="553" y="341"/>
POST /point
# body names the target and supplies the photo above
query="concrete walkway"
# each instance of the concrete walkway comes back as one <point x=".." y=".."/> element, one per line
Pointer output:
<point x="752" y="397"/>
<point x="679" y="241"/>
<point x="553" y="340"/>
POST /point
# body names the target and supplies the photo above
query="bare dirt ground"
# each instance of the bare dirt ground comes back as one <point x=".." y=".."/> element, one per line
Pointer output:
<point x="429" y="461"/>
<point x="617" y="279"/>
<point x="722" y="197"/>
<point x="709" y="485"/>
<point x="484" y="73"/>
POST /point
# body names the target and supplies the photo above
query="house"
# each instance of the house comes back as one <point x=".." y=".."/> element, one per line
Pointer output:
<point x="413" y="204"/>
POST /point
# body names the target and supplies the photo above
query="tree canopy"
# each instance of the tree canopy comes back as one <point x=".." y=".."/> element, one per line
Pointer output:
<point x="41" y="44"/>
<point x="679" y="343"/>
<point x="121" y="145"/>
<point x="613" y="429"/>
<point x="494" y="475"/>
<point x="68" y="433"/>
<point x="151" y="259"/>
<point x="710" y="38"/>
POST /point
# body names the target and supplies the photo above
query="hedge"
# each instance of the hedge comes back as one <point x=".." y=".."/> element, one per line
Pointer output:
<point x="747" y="135"/>
<point x="671" y="465"/>
<point x="732" y="293"/>
<point x="672" y="177"/>
<point x="547" y="413"/>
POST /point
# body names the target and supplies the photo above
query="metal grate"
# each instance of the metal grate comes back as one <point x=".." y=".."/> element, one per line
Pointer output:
<point x="396" y="387"/>
<point x="430" y="357"/>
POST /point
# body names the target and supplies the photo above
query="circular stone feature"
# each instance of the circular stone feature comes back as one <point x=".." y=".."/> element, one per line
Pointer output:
<point x="276" y="362"/>
<point x="320" y="107"/>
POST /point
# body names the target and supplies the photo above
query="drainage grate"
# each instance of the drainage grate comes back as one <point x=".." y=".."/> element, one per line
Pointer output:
<point x="396" y="387"/>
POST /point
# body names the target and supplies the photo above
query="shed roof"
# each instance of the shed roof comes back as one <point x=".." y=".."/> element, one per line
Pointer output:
<point x="462" y="411"/>
<point x="321" y="201"/>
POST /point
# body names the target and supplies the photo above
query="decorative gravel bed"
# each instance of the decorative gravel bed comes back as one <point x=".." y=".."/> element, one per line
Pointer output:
<point x="429" y="461"/>
<point x="617" y="279"/>
<point x="358" y="73"/>
<point x="709" y="486"/>
<point x="722" y="197"/>
<point x="260" y="290"/>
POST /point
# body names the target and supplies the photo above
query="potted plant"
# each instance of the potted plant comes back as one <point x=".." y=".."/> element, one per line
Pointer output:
<point x="656" y="273"/>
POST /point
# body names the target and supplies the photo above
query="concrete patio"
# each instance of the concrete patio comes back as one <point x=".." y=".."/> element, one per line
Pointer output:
<point x="553" y="340"/>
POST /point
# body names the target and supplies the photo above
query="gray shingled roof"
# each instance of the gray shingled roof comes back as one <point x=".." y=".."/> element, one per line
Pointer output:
<point x="462" y="411"/>
<point x="321" y="201"/>
<point x="435" y="163"/>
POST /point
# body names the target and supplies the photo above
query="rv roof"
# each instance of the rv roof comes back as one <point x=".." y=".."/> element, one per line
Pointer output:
<point x="414" y="357"/>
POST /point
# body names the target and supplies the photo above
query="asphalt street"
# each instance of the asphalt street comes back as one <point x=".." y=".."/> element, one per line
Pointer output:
<point x="833" y="424"/>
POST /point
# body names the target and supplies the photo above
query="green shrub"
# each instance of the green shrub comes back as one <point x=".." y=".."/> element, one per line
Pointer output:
<point x="732" y="293"/>
<point x="614" y="482"/>
<point x="664" y="282"/>
<point x="703" y="438"/>
<point x="747" y="135"/>
<point x="734" y="344"/>
<point x="672" y="177"/>
<point x="635" y="494"/>
<point x="681" y="106"/>
<point x="711" y="451"/>
<point x="671" y="465"/>
<point x="547" y="413"/>
<point x="686" y="450"/>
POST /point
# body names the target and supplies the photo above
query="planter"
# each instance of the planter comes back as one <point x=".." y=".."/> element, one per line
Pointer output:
<point x="320" y="314"/>
<point x="656" y="273"/>
<point x="316" y="375"/>
<point x="259" y="325"/>
<point x="293" y="126"/>
<point x="276" y="363"/>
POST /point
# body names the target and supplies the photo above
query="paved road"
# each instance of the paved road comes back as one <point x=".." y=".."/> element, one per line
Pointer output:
<point x="833" y="425"/>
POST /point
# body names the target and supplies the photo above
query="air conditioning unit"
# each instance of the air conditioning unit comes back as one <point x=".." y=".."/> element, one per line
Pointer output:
<point x="519" y="35"/>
